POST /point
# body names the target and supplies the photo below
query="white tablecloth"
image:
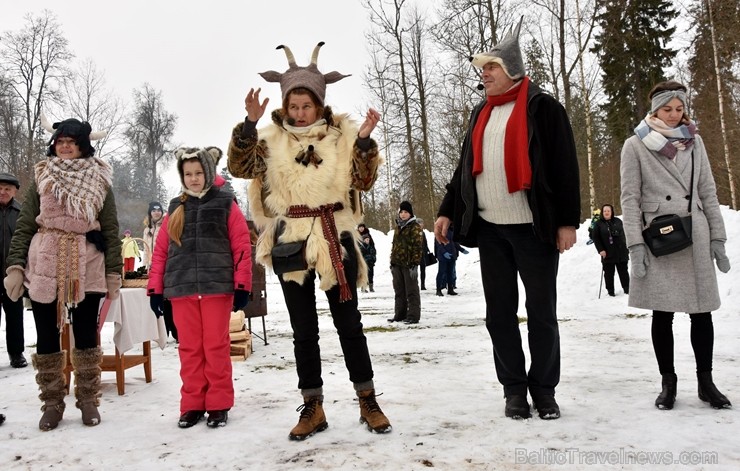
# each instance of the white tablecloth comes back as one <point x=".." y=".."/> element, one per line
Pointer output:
<point x="134" y="321"/>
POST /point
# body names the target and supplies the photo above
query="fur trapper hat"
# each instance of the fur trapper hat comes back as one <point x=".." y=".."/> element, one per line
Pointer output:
<point x="506" y="53"/>
<point x="80" y="131"/>
<point x="208" y="158"/>
<point x="306" y="77"/>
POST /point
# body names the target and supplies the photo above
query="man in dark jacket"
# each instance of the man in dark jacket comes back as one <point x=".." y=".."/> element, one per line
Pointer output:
<point x="9" y="210"/>
<point x="405" y="258"/>
<point x="515" y="195"/>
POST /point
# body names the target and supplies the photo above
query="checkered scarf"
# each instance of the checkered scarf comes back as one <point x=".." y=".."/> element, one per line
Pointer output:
<point x="667" y="141"/>
<point x="80" y="185"/>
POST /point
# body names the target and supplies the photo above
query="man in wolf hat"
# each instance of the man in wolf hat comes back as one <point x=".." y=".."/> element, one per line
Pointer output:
<point x="515" y="195"/>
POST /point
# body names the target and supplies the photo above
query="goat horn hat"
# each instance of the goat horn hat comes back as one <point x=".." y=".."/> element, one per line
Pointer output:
<point x="306" y="77"/>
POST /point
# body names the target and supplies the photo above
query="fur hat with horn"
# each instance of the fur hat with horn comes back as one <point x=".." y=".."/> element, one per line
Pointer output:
<point x="80" y="131"/>
<point x="306" y="77"/>
<point x="506" y="53"/>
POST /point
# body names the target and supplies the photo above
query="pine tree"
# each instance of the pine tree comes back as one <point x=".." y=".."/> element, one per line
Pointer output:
<point x="633" y="54"/>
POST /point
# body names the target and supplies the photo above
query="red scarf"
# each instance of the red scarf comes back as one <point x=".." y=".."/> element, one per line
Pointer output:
<point x="516" y="148"/>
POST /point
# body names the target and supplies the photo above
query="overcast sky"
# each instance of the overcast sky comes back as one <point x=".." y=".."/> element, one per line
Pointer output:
<point x="205" y="56"/>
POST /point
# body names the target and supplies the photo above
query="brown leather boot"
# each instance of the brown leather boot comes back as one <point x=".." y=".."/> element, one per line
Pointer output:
<point x="370" y="413"/>
<point x="312" y="418"/>
<point x="50" y="378"/>
<point x="87" y="383"/>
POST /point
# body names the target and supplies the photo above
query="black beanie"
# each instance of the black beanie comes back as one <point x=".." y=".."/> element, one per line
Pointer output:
<point x="152" y="205"/>
<point x="77" y="130"/>
<point x="406" y="206"/>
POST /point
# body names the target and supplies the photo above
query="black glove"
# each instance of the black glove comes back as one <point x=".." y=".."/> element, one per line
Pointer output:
<point x="156" y="302"/>
<point x="241" y="299"/>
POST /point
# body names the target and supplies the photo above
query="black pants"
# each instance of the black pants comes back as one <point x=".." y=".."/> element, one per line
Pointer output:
<point x="702" y="340"/>
<point x="505" y="252"/>
<point x="406" y="293"/>
<point x="624" y="276"/>
<point x="14" y="339"/>
<point x="84" y="320"/>
<point x="423" y="272"/>
<point x="301" y="303"/>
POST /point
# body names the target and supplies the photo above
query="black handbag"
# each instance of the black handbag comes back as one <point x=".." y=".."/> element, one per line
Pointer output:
<point x="290" y="256"/>
<point x="429" y="259"/>
<point x="670" y="233"/>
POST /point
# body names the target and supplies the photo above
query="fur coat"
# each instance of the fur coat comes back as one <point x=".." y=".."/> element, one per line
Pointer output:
<point x="279" y="181"/>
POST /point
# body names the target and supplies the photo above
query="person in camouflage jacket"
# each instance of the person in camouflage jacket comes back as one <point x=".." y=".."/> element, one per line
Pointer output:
<point x="405" y="258"/>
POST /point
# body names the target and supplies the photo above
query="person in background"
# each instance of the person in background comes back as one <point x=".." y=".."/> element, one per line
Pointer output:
<point x="10" y="208"/>
<point x="611" y="244"/>
<point x="308" y="167"/>
<point x="424" y="252"/>
<point x="447" y="256"/>
<point x="367" y="247"/>
<point x="405" y="258"/>
<point x="202" y="263"/>
<point x="656" y="170"/>
<point x="152" y="224"/>
<point x="516" y="196"/>
<point x="130" y="251"/>
<point x="66" y="253"/>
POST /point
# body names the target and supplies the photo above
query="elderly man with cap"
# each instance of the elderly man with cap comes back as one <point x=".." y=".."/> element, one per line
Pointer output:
<point x="515" y="195"/>
<point x="9" y="210"/>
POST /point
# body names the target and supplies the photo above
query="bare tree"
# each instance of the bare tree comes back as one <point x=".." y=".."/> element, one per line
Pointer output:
<point x="12" y="136"/>
<point x="34" y="60"/>
<point x="89" y="100"/>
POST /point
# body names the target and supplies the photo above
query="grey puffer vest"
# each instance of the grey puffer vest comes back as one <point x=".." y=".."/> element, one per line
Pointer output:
<point x="203" y="264"/>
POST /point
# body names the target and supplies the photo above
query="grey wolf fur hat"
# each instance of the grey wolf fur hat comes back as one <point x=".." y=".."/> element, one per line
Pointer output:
<point x="208" y="158"/>
<point x="307" y="77"/>
<point x="506" y="53"/>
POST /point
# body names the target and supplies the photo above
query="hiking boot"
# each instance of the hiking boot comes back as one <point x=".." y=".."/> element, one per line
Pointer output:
<point x="517" y="407"/>
<point x="708" y="392"/>
<point x="546" y="406"/>
<point x="440" y="293"/>
<point x="190" y="418"/>
<point x="217" y="418"/>
<point x="17" y="360"/>
<point x="312" y="418"/>
<point x="667" y="396"/>
<point x="370" y="413"/>
<point x="410" y="321"/>
<point x="451" y="290"/>
<point x="371" y="288"/>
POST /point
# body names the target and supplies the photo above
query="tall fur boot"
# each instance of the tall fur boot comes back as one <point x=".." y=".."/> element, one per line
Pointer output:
<point x="87" y="383"/>
<point x="52" y="384"/>
<point x="370" y="413"/>
<point x="667" y="396"/>
<point x="708" y="392"/>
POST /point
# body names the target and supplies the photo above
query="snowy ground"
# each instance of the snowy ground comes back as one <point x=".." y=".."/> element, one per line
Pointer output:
<point x="438" y="388"/>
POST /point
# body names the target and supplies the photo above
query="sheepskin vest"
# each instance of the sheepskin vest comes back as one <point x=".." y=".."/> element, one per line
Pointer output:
<point x="203" y="264"/>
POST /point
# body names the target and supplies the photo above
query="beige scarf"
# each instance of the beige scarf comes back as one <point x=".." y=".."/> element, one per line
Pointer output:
<point x="80" y="185"/>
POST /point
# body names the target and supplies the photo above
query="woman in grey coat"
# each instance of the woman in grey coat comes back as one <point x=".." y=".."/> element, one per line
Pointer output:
<point x="656" y="174"/>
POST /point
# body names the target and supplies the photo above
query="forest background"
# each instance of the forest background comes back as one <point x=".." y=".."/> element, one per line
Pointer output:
<point x="599" y="58"/>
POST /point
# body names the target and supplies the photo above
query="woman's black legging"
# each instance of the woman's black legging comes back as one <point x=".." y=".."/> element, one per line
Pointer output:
<point x="702" y="340"/>
<point x="83" y="318"/>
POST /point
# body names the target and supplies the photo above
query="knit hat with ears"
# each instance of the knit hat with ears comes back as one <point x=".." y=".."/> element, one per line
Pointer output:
<point x="506" y="53"/>
<point x="307" y="77"/>
<point x="208" y="158"/>
<point x="406" y="206"/>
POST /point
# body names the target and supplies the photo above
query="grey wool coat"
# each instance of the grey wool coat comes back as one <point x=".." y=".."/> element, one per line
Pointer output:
<point x="653" y="185"/>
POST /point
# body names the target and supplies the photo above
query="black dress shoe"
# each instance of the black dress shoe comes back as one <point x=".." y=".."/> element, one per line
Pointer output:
<point x="393" y="319"/>
<point x="546" y="406"/>
<point x="17" y="360"/>
<point x="217" y="418"/>
<point x="190" y="418"/>
<point x="517" y="407"/>
<point x="410" y="321"/>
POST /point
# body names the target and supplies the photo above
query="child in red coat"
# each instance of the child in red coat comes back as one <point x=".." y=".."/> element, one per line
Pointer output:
<point x="202" y="263"/>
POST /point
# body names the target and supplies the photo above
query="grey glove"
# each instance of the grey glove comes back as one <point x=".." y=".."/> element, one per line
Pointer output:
<point x="14" y="282"/>
<point x="639" y="258"/>
<point x="718" y="254"/>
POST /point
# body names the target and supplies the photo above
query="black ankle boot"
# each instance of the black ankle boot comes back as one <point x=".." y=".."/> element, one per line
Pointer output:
<point x="708" y="392"/>
<point x="667" y="396"/>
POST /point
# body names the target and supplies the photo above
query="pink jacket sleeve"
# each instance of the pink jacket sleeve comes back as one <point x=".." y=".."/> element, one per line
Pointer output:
<point x="159" y="260"/>
<point x="241" y="248"/>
